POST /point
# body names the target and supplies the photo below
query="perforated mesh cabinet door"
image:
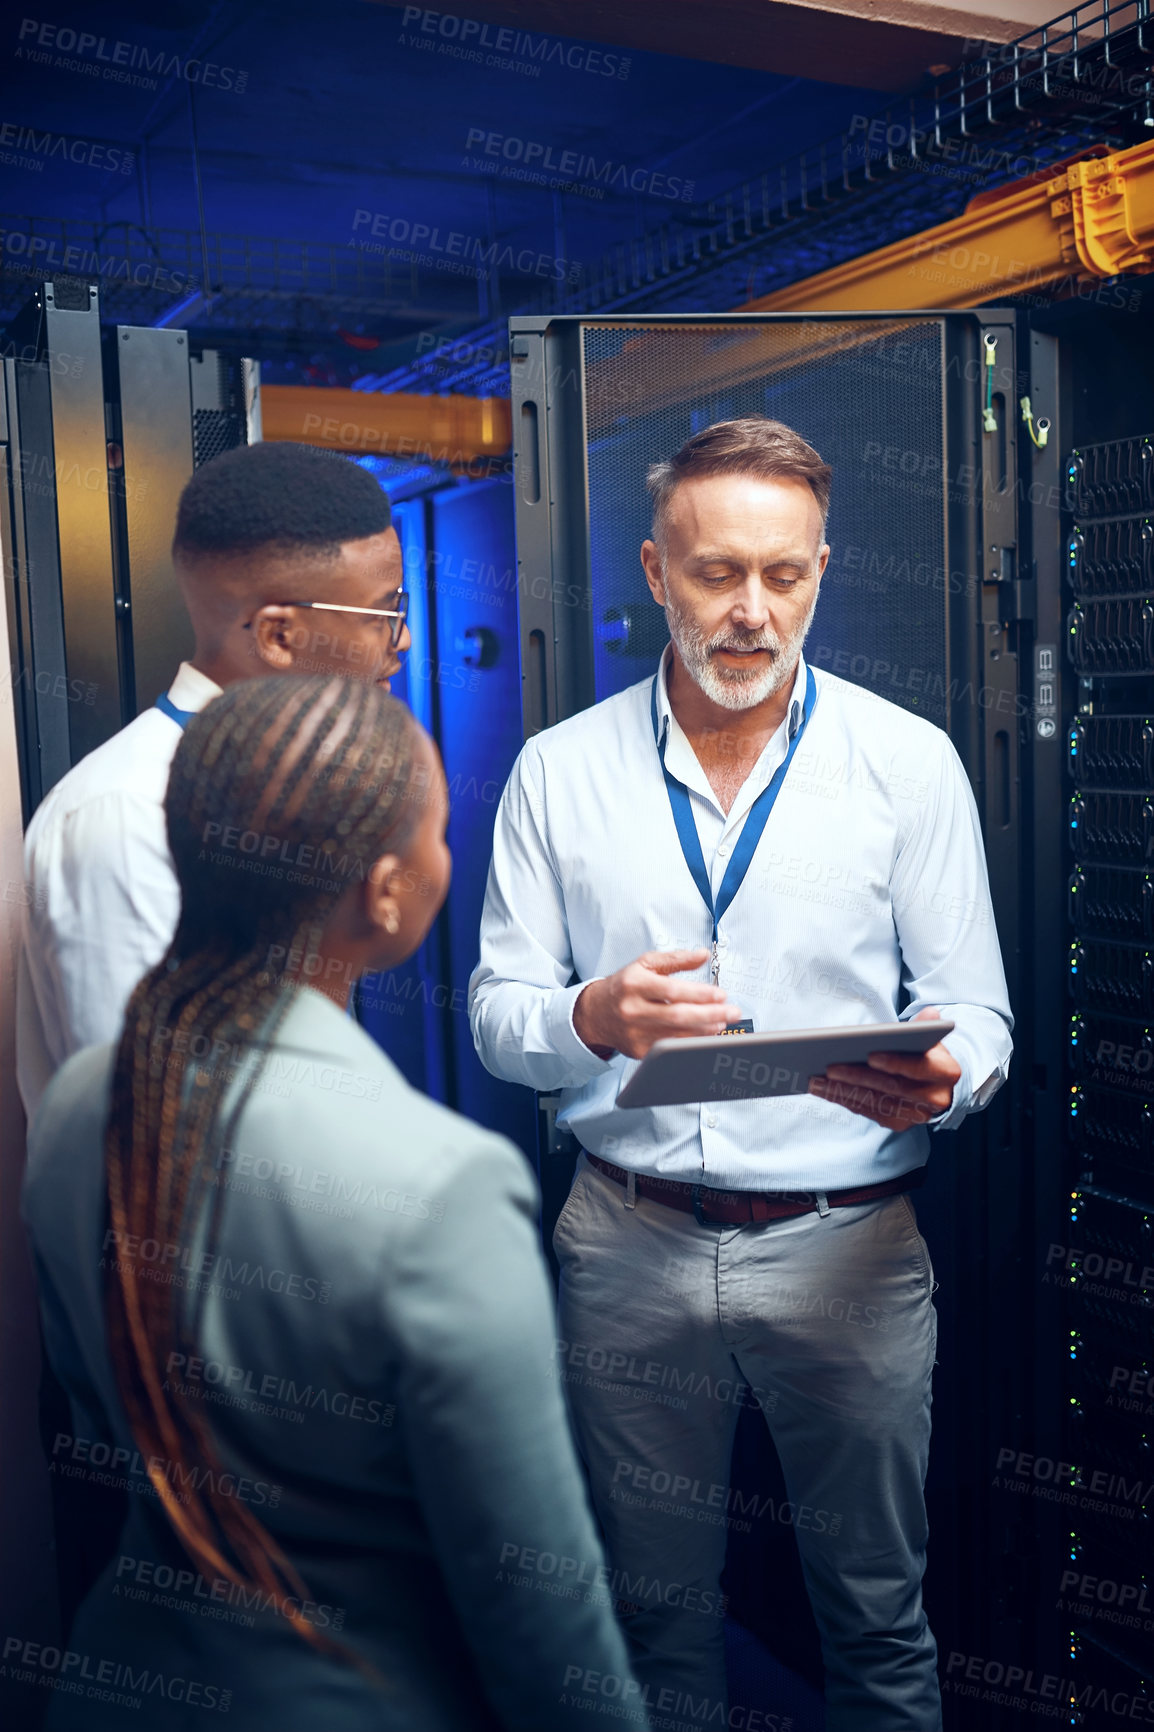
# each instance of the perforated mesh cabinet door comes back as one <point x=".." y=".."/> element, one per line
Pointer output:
<point x="868" y="397"/>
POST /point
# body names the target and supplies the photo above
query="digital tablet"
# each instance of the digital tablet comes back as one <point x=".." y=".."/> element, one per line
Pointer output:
<point x="742" y="1067"/>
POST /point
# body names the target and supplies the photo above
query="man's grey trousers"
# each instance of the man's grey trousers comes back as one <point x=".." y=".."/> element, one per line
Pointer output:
<point x="825" y="1322"/>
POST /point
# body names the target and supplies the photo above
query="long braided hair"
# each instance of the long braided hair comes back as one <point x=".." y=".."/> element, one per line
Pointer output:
<point x="282" y="793"/>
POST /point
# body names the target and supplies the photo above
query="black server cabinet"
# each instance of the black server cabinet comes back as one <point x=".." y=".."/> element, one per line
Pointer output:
<point x="170" y="408"/>
<point x="101" y="430"/>
<point x="941" y="596"/>
<point x="151" y="440"/>
<point x="61" y="588"/>
<point x="1106" y="1268"/>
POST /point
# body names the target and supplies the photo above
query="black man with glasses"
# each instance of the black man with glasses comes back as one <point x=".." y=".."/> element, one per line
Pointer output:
<point x="288" y="563"/>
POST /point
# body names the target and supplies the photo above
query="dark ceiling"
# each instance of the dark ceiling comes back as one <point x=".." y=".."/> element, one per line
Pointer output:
<point x="313" y="145"/>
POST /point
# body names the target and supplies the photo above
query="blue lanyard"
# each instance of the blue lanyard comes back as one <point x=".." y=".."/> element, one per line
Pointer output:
<point x="180" y="717"/>
<point x="751" y="831"/>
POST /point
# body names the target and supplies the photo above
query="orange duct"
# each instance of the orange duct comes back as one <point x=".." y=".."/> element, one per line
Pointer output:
<point x="1089" y="217"/>
<point x="458" y="431"/>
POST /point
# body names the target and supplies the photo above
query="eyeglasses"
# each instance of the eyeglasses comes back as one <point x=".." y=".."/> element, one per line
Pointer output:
<point x="397" y="614"/>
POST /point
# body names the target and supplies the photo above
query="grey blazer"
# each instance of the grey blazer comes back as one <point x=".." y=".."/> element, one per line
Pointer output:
<point x="378" y="1361"/>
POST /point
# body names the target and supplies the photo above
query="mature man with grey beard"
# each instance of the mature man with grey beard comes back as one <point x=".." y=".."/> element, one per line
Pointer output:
<point x="742" y="841"/>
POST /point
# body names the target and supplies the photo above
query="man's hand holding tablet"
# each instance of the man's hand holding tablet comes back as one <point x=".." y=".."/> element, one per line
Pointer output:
<point x="641" y="1004"/>
<point x="914" y="1087"/>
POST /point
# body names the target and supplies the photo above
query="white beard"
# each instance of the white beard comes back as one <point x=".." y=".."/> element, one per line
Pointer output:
<point x="736" y="688"/>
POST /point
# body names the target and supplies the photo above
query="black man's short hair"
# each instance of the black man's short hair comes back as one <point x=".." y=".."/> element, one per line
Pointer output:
<point x="279" y="498"/>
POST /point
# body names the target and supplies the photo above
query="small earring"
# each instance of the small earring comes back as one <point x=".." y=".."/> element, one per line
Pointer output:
<point x="392" y="922"/>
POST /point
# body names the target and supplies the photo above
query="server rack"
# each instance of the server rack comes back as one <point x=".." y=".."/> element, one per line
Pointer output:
<point x="1107" y="1267"/>
<point x="100" y="431"/>
<point x="954" y="573"/>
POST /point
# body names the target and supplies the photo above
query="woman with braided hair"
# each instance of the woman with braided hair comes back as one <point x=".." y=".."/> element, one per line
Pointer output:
<point x="301" y="1310"/>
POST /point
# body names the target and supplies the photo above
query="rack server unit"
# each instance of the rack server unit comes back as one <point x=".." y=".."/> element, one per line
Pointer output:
<point x="1109" y="1406"/>
<point x="99" y="431"/>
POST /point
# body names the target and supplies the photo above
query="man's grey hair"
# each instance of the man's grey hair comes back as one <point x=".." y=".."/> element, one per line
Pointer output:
<point x="751" y="445"/>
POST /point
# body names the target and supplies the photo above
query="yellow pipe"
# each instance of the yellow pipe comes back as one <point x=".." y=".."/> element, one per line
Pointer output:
<point x="453" y="430"/>
<point x="1089" y="217"/>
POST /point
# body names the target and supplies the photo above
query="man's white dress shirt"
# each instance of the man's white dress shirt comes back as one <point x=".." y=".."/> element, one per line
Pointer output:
<point x="866" y="900"/>
<point x="102" y="899"/>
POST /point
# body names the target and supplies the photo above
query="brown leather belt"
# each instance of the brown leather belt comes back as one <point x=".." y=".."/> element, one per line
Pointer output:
<point x="735" y="1208"/>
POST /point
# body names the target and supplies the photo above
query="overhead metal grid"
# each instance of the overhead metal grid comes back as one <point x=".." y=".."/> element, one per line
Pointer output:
<point x="1084" y="78"/>
<point x="252" y="279"/>
<point x="996" y="119"/>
